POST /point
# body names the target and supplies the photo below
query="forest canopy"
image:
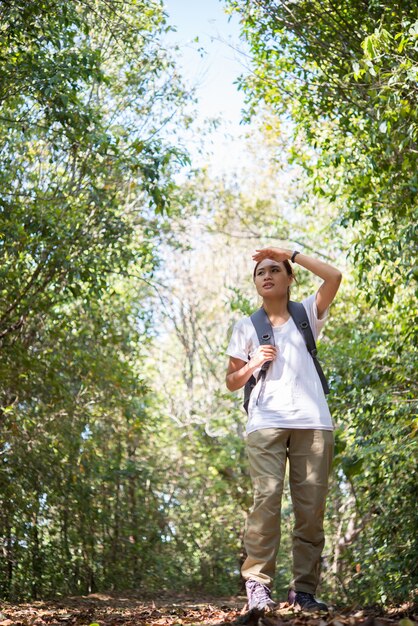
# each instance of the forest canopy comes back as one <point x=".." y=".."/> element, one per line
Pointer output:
<point x="122" y="459"/>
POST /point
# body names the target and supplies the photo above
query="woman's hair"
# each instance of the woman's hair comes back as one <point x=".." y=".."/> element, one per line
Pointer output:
<point x="287" y="265"/>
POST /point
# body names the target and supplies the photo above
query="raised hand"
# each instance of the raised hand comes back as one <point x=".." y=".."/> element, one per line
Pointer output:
<point x="276" y="254"/>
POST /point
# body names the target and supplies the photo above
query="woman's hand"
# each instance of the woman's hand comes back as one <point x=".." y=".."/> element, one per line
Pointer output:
<point x="276" y="254"/>
<point x="239" y="372"/>
<point x="263" y="354"/>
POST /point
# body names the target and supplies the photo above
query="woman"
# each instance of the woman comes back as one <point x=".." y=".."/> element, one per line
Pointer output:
<point x="288" y="418"/>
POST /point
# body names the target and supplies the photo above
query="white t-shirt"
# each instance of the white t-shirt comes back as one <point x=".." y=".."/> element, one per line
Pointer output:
<point x="293" y="396"/>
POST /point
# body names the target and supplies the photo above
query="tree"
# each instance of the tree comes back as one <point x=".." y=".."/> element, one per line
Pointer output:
<point x="87" y="93"/>
<point x="342" y="79"/>
<point x="346" y="77"/>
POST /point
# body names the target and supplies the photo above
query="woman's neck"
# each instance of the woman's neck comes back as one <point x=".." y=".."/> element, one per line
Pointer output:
<point x="276" y="310"/>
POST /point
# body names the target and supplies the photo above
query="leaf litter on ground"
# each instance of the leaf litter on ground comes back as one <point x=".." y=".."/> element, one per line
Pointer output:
<point x="177" y="610"/>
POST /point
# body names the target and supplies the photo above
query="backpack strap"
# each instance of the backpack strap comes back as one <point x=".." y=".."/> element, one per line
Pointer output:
<point x="265" y="336"/>
<point x="300" y="317"/>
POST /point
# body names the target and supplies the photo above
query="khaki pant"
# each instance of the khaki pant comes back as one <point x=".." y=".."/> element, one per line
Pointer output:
<point x="310" y="457"/>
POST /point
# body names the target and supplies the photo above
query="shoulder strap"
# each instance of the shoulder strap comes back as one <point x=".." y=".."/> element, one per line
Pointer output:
<point x="264" y="331"/>
<point x="300" y="317"/>
<point x="265" y="336"/>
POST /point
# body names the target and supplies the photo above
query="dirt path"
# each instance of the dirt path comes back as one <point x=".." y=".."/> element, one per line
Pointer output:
<point x="128" y="610"/>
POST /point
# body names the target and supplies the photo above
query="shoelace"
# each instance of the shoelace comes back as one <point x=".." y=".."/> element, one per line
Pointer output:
<point x="260" y="594"/>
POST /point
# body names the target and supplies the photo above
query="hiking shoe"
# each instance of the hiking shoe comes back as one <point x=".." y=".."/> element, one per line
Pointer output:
<point x="259" y="596"/>
<point x="305" y="601"/>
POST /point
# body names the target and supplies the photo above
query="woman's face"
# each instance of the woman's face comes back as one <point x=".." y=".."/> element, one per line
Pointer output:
<point x="271" y="279"/>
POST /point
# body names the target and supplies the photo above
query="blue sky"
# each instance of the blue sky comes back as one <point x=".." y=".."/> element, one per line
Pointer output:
<point x="212" y="71"/>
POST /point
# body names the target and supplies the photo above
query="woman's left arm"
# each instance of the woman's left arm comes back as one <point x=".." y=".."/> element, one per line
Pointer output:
<point x="329" y="274"/>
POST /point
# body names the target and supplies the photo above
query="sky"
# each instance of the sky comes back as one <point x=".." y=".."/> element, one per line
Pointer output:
<point x="211" y="65"/>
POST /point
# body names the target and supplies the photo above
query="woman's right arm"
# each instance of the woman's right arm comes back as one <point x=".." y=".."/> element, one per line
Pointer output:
<point x="239" y="372"/>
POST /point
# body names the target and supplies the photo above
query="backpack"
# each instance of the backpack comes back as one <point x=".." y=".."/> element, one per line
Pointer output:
<point x="265" y="336"/>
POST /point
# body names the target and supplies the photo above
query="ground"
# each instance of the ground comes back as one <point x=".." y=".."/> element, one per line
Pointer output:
<point x="177" y="610"/>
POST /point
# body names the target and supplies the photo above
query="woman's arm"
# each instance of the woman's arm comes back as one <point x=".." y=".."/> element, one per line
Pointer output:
<point x="330" y="275"/>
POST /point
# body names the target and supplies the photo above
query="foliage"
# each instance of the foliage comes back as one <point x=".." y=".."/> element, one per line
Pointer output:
<point x="86" y="94"/>
<point x="372" y="554"/>
<point x="343" y="79"/>
<point x="122" y="457"/>
<point x="346" y="76"/>
<point x="80" y="163"/>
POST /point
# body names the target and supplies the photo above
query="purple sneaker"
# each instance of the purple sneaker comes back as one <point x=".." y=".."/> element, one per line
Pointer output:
<point x="305" y="601"/>
<point x="259" y="596"/>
